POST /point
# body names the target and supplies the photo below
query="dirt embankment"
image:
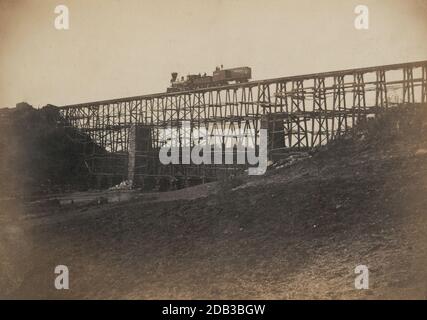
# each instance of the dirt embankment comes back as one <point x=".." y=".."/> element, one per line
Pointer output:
<point x="298" y="232"/>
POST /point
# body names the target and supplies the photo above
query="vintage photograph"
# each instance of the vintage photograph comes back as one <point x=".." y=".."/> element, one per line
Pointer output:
<point x="213" y="150"/>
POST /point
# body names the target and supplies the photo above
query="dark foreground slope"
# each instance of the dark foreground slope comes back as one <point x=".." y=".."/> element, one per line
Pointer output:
<point x="298" y="232"/>
<point x="39" y="153"/>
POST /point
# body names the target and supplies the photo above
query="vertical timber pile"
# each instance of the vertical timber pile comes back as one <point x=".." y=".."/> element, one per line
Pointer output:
<point x="132" y="154"/>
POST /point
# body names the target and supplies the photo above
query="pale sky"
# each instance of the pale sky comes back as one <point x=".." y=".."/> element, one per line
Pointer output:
<point x="124" y="48"/>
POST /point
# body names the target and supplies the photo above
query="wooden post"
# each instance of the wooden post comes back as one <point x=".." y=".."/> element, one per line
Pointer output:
<point x="131" y="153"/>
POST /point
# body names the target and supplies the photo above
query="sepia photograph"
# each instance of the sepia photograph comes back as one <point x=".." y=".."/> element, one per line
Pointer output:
<point x="202" y="153"/>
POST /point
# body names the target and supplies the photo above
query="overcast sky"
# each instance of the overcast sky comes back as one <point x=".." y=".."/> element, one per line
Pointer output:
<point x="129" y="47"/>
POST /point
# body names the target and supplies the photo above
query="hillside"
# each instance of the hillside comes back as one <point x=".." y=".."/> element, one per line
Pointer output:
<point x="39" y="153"/>
<point x="297" y="232"/>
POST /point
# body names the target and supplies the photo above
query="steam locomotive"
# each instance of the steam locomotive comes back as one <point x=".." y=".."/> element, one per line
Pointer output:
<point x="218" y="78"/>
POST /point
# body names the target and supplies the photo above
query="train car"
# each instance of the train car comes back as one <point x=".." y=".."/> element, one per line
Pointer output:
<point x="241" y="74"/>
<point x="219" y="77"/>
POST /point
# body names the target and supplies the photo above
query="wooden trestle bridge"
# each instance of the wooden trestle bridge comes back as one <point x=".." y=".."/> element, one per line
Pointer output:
<point x="300" y="113"/>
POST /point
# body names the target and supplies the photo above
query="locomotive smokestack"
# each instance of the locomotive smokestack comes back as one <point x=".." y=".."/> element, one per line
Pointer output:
<point x="174" y="76"/>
